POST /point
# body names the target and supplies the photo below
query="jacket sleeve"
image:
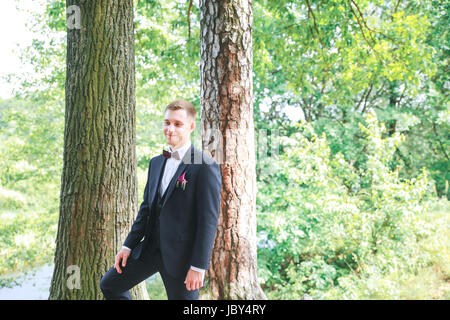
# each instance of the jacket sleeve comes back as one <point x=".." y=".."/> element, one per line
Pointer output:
<point x="138" y="228"/>
<point x="207" y="198"/>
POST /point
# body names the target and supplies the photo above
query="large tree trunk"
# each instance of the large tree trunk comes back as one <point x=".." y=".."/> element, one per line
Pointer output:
<point x="98" y="200"/>
<point x="228" y="133"/>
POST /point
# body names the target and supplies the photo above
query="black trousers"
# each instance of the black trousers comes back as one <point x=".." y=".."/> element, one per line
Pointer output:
<point x="116" y="286"/>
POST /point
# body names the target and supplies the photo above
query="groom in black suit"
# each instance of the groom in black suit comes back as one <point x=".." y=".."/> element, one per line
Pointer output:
<point x="175" y="227"/>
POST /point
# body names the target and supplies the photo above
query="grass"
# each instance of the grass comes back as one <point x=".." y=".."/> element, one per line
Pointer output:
<point x="433" y="281"/>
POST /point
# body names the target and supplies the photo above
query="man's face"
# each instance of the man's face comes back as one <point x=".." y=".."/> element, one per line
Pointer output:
<point x="177" y="127"/>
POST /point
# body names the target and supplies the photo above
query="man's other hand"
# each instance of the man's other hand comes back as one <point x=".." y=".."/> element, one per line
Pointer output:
<point x="194" y="280"/>
<point x="122" y="255"/>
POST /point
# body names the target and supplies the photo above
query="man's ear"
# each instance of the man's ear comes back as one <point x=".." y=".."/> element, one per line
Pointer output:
<point x="192" y="125"/>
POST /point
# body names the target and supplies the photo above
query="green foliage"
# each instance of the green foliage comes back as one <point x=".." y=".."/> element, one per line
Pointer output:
<point x="331" y="62"/>
<point x="155" y="287"/>
<point x="31" y="136"/>
<point x="31" y="159"/>
<point x="323" y="222"/>
<point x="28" y="232"/>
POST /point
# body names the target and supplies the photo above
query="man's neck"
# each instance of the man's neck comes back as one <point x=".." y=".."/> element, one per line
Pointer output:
<point x="172" y="148"/>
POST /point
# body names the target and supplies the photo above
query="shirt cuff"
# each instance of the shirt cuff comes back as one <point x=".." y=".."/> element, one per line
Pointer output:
<point x="123" y="247"/>
<point x="198" y="270"/>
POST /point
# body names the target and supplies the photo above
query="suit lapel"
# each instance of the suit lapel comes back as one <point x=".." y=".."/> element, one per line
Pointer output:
<point x="187" y="159"/>
<point x="155" y="177"/>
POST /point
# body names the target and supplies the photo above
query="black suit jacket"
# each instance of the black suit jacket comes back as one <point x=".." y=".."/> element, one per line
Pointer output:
<point x="188" y="218"/>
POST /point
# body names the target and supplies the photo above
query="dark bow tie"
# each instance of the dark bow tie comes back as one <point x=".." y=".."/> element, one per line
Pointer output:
<point x="168" y="155"/>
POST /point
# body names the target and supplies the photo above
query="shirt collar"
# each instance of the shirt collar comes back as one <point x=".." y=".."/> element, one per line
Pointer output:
<point x="182" y="150"/>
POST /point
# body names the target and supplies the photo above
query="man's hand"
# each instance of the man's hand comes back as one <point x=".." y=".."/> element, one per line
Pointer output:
<point x="122" y="255"/>
<point x="194" y="280"/>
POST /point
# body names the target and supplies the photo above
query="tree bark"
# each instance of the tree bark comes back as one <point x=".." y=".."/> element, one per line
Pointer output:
<point x="98" y="199"/>
<point x="228" y="134"/>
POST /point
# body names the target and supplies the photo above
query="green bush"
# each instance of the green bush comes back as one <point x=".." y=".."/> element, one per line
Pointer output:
<point x="325" y="226"/>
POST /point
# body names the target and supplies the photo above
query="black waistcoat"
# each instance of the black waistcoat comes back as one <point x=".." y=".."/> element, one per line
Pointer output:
<point x="154" y="236"/>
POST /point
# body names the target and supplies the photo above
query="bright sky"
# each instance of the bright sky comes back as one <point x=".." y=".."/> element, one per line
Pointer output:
<point x="14" y="36"/>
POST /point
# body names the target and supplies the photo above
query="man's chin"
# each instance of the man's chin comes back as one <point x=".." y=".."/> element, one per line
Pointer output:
<point x="171" y="142"/>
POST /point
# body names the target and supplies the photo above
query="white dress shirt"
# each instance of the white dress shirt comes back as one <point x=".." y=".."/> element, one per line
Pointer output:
<point x="171" y="167"/>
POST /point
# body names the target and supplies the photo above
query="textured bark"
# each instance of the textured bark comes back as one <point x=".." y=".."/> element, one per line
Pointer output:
<point x="228" y="133"/>
<point x="98" y="199"/>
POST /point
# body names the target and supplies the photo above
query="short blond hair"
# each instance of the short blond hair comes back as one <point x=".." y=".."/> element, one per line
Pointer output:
<point x="182" y="104"/>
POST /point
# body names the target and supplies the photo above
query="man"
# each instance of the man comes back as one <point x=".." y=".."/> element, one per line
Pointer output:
<point x="177" y="219"/>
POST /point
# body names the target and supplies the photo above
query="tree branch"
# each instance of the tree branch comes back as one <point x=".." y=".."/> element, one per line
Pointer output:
<point x="189" y="18"/>
<point x="363" y="20"/>
<point x="365" y="99"/>
<point x="314" y="21"/>
<point x="396" y="6"/>
<point x="360" y="25"/>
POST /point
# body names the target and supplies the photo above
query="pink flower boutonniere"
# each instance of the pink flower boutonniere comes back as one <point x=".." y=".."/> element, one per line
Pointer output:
<point x="182" y="181"/>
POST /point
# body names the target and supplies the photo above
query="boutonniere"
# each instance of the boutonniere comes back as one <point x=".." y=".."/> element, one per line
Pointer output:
<point x="182" y="181"/>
